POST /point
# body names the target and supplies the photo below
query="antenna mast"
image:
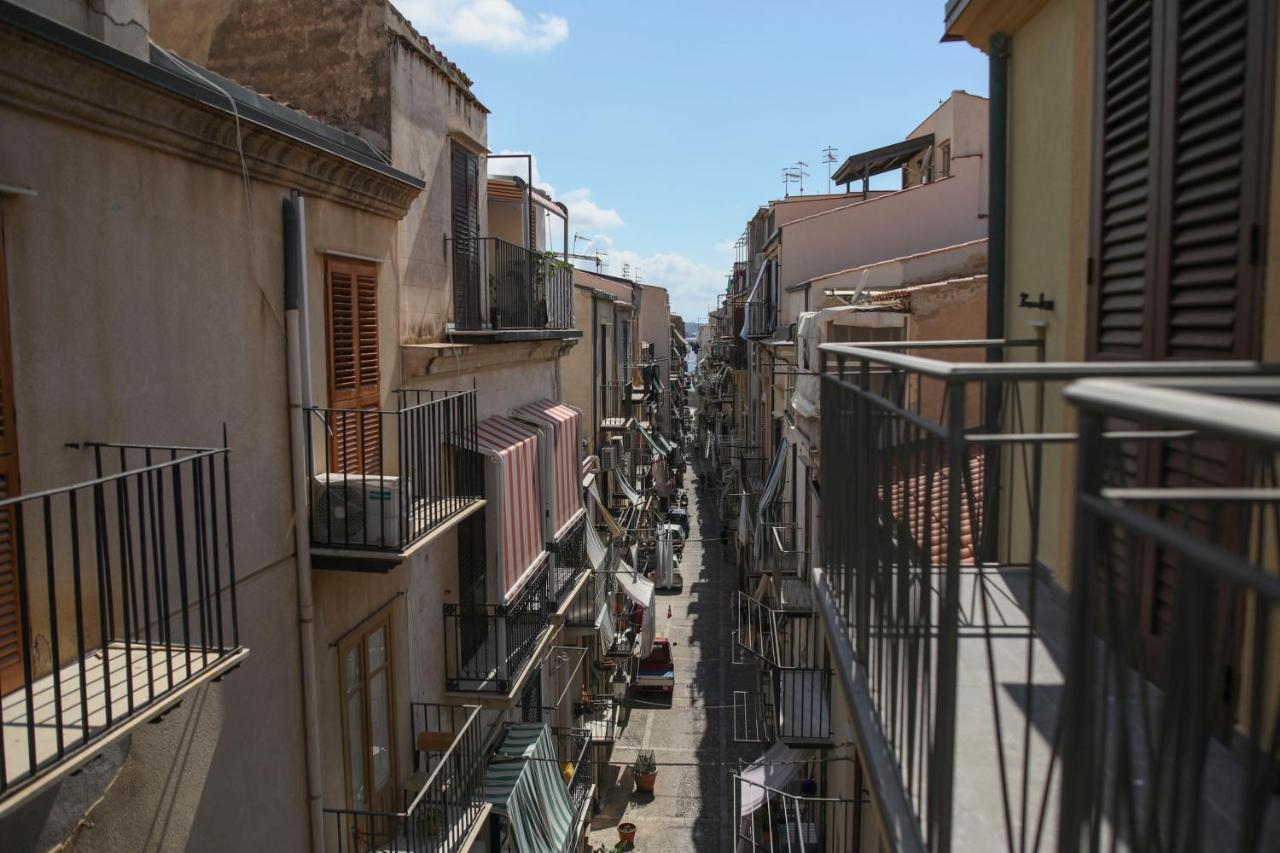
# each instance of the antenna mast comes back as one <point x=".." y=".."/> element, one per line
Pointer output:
<point x="829" y="157"/>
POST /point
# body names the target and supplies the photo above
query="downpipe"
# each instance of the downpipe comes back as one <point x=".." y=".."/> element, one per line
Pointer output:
<point x="295" y="300"/>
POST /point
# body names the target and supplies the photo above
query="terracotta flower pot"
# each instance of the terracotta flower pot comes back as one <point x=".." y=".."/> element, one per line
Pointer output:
<point x="627" y="833"/>
<point x="644" y="781"/>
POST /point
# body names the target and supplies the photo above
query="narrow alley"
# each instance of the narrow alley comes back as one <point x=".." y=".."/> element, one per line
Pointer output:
<point x="691" y="734"/>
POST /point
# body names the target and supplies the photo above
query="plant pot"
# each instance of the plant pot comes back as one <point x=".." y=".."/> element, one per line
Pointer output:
<point x="627" y="833"/>
<point x="644" y="781"/>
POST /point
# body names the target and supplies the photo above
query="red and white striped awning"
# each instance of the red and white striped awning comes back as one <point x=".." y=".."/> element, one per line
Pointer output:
<point x="564" y="422"/>
<point x="514" y="522"/>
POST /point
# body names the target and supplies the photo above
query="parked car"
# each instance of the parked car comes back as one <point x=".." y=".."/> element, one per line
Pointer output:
<point x="657" y="671"/>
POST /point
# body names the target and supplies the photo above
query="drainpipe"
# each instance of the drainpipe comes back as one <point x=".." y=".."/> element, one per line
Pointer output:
<point x="997" y="233"/>
<point x="295" y="313"/>
<point x="595" y="380"/>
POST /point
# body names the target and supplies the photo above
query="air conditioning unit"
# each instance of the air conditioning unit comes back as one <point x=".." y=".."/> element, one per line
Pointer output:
<point x="357" y="511"/>
<point x="608" y="457"/>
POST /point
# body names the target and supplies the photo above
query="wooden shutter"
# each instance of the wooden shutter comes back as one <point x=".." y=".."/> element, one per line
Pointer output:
<point x="355" y="374"/>
<point x="1179" y="178"/>
<point x="1179" y="181"/>
<point x="465" y="195"/>
<point x="11" y="649"/>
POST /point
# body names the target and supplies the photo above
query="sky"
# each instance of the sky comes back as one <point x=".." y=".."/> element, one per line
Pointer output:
<point x="664" y="124"/>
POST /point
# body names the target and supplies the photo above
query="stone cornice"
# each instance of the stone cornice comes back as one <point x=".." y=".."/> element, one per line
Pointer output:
<point x="47" y="79"/>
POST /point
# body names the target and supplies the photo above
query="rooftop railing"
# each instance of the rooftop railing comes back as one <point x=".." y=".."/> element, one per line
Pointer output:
<point x="124" y="588"/>
<point x="935" y="476"/>
<point x="437" y="817"/>
<point x="383" y="480"/>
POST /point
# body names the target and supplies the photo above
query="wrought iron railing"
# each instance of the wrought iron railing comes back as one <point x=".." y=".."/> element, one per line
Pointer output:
<point x="594" y="597"/>
<point x="124" y="594"/>
<point x="1170" y="729"/>
<point x="524" y="289"/>
<point x="440" y="815"/>
<point x="487" y="646"/>
<point x="762" y="318"/>
<point x="925" y="579"/>
<point x="573" y="748"/>
<point x="383" y="480"/>
<point x="568" y="561"/>
<point x="770" y="820"/>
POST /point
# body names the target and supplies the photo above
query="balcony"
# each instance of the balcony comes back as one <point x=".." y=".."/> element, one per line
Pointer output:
<point x="949" y="610"/>
<point x="1182" y="722"/>
<point x="546" y="774"/>
<point x="488" y="647"/>
<point x="444" y="812"/>
<point x="128" y="582"/>
<point x="384" y="481"/>
<point x="568" y="565"/>
<point x="523" y="290"/>
<point x="761" y="318"/>
<point x="777" y="807"/>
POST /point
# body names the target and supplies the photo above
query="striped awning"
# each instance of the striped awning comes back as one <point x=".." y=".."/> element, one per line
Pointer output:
<point x="525" y="784"/>
<point x="511" y="481"/>
<point x="563" y="422"/>
<point x="651" y="441"/>
<point x="641" y="591"/>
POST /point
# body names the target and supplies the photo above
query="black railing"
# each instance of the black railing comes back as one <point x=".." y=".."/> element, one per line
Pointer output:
<point x="790" y="821"/>
<point x="568" y="561"/>
<point x="802" y="705"/>
<point x="762" y="318"/>
<point x="436" y="818"/>
<point x="1170" y="727"/>
<point x="598" y="715"/>
<point x="487" y="646"/>
<point x="525" y="289"/>
<point x="926" y="580"/>
<point x="627" y="624"/>
<point x="383" y="480"/>
<point x="125" y="593"/>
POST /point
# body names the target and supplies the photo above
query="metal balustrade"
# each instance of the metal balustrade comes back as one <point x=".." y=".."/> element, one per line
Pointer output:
<point x="524" y="289"/>
<point x="568" y="562"/>
<point x="790" y="821"/>
<point x="934" y="478"/>
<point x="488" y="646"/>
<point x="125" y="592"/>
<point x="383" y="480"/>
<point x="440" y="815"/>
<point x="1170" y="737"/>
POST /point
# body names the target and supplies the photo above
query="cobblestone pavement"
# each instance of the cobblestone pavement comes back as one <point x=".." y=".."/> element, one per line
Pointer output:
<point x="692" y="734"/>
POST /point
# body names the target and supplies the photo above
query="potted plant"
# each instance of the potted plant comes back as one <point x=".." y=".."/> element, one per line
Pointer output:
<point x="645" y="770"/>
<point x="626" y="833"/>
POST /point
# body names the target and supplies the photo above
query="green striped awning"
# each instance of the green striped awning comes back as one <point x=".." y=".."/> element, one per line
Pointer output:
<point x="525" y="784"/>
<point x="651" y="441"/>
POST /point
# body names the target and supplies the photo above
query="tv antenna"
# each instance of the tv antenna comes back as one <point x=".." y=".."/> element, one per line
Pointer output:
<point x="626" y="270"/>
<point x="801" y="168"/>
<point x="829" y="156"/>
<point x="789" y="176"/>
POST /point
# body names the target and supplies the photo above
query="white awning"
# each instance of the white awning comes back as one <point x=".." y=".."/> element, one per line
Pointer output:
<point x="665" y="556"/>
<point x="641" y="591"/>
<point x="627" y="489"/>
<point x="770" y="772"/>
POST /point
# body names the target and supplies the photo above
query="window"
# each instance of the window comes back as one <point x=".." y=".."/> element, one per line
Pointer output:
<point x="944" y="159"/>
<point x="355" y="375"/>
<point x="1178" y="190"/>
<point x="465" y="195"/>
<point x="368" y="719"/>
<point x="11" y="650"/>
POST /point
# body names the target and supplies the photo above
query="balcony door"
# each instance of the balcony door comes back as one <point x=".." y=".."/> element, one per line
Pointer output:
<point x="355" y="372"/>
<point x="368" y="718"/>
<point x="11" y="646"/>
<point x="1176" y="268"/>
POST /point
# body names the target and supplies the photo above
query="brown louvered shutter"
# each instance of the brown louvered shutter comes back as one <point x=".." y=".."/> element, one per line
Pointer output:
<point x="1124" y="181"/>
<point x="11" y="672"/>
<point x="355" y="375"/>
<point x="465" y="198"/>
<point x="1179" y="183"/>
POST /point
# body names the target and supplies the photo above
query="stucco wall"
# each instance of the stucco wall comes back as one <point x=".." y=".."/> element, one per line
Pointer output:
<point x="577" y="366"/>
<point x="147" y="306"/>
<point x="942" y="213"/>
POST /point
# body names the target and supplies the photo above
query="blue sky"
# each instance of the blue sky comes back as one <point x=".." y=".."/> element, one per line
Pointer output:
<point x="663" y="125"/>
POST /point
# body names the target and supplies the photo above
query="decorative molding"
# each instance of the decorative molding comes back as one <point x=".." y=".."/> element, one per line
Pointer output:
<point x="43" y="79"/>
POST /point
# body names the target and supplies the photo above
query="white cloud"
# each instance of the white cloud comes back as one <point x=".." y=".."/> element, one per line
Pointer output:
<point x="586" y="215"/>
<point x="496" y="25"/>
<point x="692" y="285"/>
